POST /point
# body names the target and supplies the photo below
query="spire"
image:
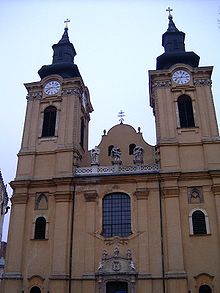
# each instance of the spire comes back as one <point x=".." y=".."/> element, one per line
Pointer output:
<point x="174" y="47"/>
<point x="63" y="58"/>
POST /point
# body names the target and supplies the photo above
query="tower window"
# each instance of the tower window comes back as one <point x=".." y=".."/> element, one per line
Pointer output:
<point x="40" y="228"/>
<point x="185" y="110"/>
<point x="49" y="121"/>
<point x="116" y="215"/>
<point x="198" y="219"/>
<point x="199" y="222"/>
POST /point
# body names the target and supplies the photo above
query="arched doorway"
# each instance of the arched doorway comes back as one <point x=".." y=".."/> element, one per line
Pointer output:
<point x="117" y="287"/>
<point x="205" y="289"/>
<point x="35" y="289"/>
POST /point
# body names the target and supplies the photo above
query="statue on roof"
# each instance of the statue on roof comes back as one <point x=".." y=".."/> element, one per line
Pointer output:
<point x="116" y="155"/>
<point x="95" y="152"/>
<point x="138" y="154"/>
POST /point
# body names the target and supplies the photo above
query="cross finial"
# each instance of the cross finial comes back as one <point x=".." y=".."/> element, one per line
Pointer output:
<point x="66" y="23"/>
<point x="121" y="114"/>
<point x="169" y="10"/>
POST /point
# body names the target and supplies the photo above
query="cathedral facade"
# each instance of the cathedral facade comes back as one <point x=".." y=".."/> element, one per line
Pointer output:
<point x="126" y="216"/>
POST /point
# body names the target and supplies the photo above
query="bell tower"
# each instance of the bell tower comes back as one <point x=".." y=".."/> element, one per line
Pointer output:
<point x="57" y="118"/>
<point x="182" y="101"/>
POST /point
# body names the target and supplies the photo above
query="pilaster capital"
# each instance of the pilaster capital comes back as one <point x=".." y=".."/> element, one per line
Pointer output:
<point x="90" y="195"/>
<point x="141" y="193"/>
<point x="170" y="192"/>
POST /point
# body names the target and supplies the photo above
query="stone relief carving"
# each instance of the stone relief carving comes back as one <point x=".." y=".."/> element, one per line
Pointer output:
<point x="202" y="82"/>
<point x="116" y="262"/>
<point x="72" y="91"/>
<point x="116" y="267"/>
<point x="35" y="95"/>
<point x="161" y="83"/>
<point x="195" y="195"/>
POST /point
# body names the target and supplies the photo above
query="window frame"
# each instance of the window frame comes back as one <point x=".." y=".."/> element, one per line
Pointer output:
<point x="113" y="205"/>
<point x="191" y="228"/>
<point x="192" y="110"/>
<point x="34" y="228"/>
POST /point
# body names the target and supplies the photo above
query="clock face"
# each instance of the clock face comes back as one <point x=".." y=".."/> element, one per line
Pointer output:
<point x="52" y="87"/>
<point x="181" y="77"/>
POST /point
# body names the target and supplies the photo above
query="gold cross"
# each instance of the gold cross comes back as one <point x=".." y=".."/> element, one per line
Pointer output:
<point x="66" y="22"/>
<point x="169" y="10"/>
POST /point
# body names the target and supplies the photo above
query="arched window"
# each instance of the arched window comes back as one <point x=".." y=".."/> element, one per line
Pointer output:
<point x="116" y="215"/>
<point x="35" y="289"/>
<point x="185" y="110"/>
<point x="49" y="121"/>
<point x="82" y="131"/>
<point x="205" y="289"/>
<point x="131" y="148"/>
<point x="40" y="228"/>
<point x="199" y="222"/>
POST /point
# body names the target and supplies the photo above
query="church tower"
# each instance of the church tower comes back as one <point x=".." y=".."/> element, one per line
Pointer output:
<point x="182" y="102"/>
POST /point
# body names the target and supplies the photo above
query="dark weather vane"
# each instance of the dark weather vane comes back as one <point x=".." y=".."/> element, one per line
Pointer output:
<point x="121" y="114"/>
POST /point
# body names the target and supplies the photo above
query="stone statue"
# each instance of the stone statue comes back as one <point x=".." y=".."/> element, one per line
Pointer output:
<point x="116" y="155"/>
<point x="95" y="155"/>
<point x="138" y="154"/>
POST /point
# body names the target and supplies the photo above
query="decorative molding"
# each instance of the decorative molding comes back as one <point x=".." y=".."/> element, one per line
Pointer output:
<point x="35" y="95"/>
<point x="116" y="241"/>
<point x="116" y="170"/>
<point x="116" y="263"/>
<point x="216" y="189"/>
<point x="36" y="276"/>
<point x="171" y="192"/>
<point x="59" y="276"/>
<point x="202" y="82"/>
<point x="141" y="193"/>
<point x="72" y="91"/>
<point x="90" y="195"/>
<point x="12" y="275"/>
<point x="176" y="275"/>
<point x="161" y="84"/>
<point x="19" y="198"/>
<point x="63" y="196"/>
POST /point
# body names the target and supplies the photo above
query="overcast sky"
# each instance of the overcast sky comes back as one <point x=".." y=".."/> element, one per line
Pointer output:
<point x="117" y="42"/>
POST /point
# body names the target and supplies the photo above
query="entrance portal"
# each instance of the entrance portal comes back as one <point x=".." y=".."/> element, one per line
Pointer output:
<point x="116" y="287"/>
